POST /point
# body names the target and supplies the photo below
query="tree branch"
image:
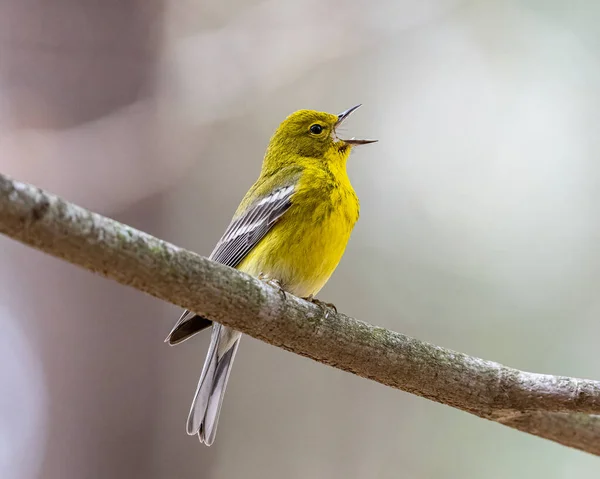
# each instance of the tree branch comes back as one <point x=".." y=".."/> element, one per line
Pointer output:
<point x="558" y="408"/>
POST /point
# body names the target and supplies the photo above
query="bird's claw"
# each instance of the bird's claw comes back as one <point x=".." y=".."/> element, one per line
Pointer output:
<point x="274" y="283"/>
<point x="326" y="307"/>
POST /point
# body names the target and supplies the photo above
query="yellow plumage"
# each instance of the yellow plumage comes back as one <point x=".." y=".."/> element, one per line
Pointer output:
<point x="307" y="243"/>
<point x="292" y="227"/>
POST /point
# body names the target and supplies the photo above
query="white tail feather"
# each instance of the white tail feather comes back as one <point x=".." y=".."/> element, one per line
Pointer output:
<point x="206" y="406"/>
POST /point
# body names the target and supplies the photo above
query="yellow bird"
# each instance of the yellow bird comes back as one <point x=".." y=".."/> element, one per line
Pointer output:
<point x="290" y="230"/>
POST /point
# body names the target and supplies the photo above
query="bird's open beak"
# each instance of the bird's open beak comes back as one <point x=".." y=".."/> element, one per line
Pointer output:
<point x="341" y="117"/>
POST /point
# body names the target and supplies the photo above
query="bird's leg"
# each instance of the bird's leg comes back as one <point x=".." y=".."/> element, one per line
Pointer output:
<point x="275" y="283"/>
<point x="326" y="307"/>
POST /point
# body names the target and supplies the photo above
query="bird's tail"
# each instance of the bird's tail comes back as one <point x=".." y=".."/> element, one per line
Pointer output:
<point x="204" y="413"/>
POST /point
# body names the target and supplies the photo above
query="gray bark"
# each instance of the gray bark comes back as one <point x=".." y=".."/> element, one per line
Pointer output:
<point x="558" y="408"/>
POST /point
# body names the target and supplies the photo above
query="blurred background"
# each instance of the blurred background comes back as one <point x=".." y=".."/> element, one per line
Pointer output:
<point x="479" y="232"/>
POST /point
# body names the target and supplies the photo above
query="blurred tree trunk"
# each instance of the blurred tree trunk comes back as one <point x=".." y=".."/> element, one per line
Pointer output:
<point x="64" y="63"/>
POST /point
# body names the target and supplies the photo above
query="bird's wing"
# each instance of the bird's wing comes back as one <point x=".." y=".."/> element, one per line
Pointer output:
<point x="246" y="230"/>
<point x="243" y="233"/>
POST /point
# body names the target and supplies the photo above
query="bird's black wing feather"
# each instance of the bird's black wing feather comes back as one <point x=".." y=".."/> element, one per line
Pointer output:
<point x="243" y="233"/>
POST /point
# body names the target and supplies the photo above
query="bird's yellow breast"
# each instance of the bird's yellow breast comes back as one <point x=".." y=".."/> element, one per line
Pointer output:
<point x="305" y="246"/>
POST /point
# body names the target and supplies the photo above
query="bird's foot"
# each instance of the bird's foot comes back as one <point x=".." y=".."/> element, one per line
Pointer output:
<point x="326" y="307"/>
<point x="274" y="283"/>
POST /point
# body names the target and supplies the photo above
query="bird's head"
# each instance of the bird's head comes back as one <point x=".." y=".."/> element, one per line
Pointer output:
<point x="312" y="134"/>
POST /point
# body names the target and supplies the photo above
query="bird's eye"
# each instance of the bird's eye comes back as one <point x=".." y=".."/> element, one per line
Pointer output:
<point x="316" y="129"/>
